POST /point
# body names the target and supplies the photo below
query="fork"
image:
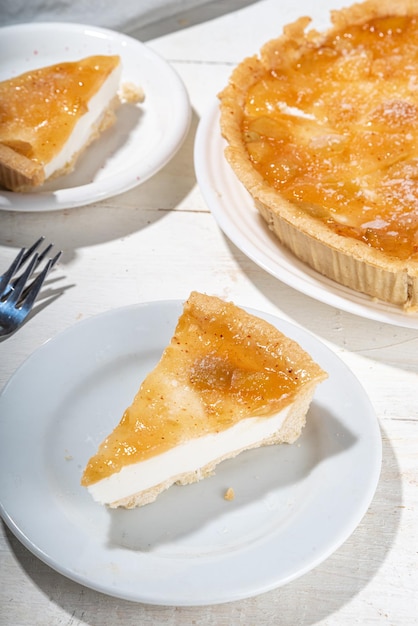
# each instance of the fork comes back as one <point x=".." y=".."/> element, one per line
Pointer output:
<point x="17" y="292"/>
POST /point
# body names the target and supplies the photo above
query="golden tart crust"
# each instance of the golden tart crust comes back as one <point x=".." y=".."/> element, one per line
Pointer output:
<point x="322" y="129"/>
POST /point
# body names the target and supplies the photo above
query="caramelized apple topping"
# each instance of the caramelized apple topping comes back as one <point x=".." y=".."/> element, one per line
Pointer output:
<point x="39" y="109"/>
<point x="222" y="365"/>
<point x="336" y="132"/>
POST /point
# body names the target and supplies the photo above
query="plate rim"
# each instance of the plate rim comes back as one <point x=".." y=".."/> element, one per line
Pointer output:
<point x="304" y="279"/>
<point x="96" y="191"/>
<point x="170" y="308"/>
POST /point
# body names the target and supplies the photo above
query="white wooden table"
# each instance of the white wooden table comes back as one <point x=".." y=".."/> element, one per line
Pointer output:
<point x="161" y="242"/>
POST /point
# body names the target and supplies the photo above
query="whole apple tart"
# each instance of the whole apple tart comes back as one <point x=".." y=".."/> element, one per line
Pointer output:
<point x="322" y="129"/>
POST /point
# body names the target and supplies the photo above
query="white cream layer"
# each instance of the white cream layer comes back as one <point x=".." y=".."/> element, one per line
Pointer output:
<point x="86" y="124"/>
<point x="185" y="458"/>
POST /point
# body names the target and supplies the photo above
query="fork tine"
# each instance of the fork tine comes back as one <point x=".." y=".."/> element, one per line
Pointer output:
<point x="5" y="278"/>
<point x="19" y="285"/>
<point x="35" y="287"/>
<point x="29" y="252"/>
<point x="43" y="254"/>
<point x="55" y="259"/>
<point x="32" y="249"/>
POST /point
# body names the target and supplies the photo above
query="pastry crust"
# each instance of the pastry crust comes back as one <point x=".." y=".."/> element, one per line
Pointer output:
<point x="17" y="171"/>
<point x="347" y="260"/>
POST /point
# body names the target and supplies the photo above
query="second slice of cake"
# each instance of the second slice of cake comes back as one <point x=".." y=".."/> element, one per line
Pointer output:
<point x="227" y="382"/>
<point x="49" y="115"/>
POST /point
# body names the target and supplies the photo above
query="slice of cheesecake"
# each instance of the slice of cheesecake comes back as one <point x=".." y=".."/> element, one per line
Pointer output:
<point x="227" y="382"/>
<point x="48" y="116"/>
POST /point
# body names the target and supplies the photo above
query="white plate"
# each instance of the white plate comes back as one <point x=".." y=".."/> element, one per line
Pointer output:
<point x="234" y="210"/>
<point x="294" y="505"/>
<point x="144" y="138"/>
